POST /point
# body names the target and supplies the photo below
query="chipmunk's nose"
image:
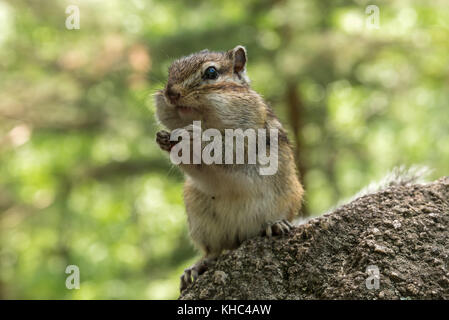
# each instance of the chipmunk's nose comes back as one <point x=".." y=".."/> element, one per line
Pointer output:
<point x="172" y="94"/>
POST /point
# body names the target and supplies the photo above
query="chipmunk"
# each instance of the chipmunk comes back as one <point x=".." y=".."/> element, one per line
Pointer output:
<point x="226" y="203"/>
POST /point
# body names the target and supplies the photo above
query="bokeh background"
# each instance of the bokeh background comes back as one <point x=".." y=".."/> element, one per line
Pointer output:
<point x="81" y="179"/>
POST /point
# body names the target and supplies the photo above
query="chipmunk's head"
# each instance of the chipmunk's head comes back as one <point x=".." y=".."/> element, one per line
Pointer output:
<point x="211" y="87"/>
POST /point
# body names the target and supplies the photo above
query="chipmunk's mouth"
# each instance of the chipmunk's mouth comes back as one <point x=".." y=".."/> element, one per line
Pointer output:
<point x="185" y="109"/>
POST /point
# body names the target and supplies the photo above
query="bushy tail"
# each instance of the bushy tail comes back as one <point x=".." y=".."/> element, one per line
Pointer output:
<point x="399" y="176"/>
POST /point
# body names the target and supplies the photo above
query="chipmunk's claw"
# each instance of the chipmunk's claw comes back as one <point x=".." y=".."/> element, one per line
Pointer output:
<point x="163" y="140"/>
<point x="277" y="228"/>
<point x="191" y="274"/>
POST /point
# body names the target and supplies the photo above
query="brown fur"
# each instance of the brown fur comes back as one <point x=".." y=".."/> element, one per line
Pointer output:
<point x="227" y="204"/>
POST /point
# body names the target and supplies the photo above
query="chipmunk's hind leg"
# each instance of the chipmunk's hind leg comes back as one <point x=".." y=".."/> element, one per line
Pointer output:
<point x="277" y="228"/>
<point x="192" y="273"/>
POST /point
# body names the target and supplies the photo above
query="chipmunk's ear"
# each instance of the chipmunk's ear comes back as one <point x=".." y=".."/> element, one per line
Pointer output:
<point x="238" y="56"/>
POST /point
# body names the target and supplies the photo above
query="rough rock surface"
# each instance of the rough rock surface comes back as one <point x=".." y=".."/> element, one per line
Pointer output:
<point x="402" y="231"/>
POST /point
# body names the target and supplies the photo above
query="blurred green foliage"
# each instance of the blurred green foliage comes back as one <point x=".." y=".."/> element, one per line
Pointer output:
<point x="81" y="179"/>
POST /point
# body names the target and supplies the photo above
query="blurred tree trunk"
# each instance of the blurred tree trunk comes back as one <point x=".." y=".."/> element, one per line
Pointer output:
<point x="296" y="116"/>
<point x="294" y="103"/>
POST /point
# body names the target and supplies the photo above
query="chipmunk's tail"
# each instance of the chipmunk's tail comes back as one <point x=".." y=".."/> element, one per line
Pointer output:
<point x="399" y="176"/>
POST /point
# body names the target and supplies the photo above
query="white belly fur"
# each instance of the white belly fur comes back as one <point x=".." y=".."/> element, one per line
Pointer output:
<point x="223" y="212"/>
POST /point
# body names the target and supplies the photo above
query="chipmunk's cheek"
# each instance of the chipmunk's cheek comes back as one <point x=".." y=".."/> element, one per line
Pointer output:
<point x="188" y="114"/>
<point x="159" y="99"/>
<point x="217" y="100"/>
<point x="162" y="107"/>
<point x="184" y="111"/>
<point x="166" y="113"/>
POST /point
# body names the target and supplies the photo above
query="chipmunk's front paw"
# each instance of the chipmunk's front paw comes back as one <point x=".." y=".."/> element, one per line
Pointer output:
<point x="277" y="228"/>
<point x="192" y="273"/>
<point x="163" y="140"/>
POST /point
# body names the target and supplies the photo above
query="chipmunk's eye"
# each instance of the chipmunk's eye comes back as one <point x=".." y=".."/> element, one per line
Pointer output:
<point x="211" y="73"/>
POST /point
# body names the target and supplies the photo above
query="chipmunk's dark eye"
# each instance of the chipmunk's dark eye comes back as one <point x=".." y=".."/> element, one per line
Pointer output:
<point x="211" y="73"/>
